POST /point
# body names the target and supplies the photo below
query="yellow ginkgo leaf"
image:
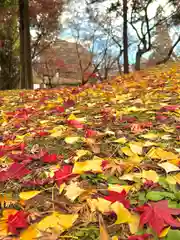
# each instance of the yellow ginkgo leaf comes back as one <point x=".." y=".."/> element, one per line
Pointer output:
<point x="150" y="175"/>
<point x="92" y="165"/>
<point x="44" y="122"/>
<point x="151" y="136"/>
<point x="168" y="128"/>
<point x="136" y="148"/>
<point x="57" y="132"/>
<point x="71" y="140"/>
<point x="62" y="187"/>
<point x="152" y="153"/>
<point x="60" y="100"/>
<point x="130" y="176"/>
<point x="58" y="128"/>
<point x="73" y="191"/>
<point x="72" y="117"/>
<point x="177" y="177"/>
<point x="114" y="238"/>
<point x="135" y="159"/>
<point x="99" y="204"/>
<point x="127" y="151"/>
<point x="164" y="232"/>
<point x="168" y="167"/>
<point x="164" y="155"/>
<point x="123" y="215"/>
<point x="57" y="222"/>
<point x="8" y="212"/>
<point x="3" y="227"/>
<point x="118" y="188"/>
<point x="80" y="153"/>
<point x="134" y="223"/>
<point x="19" y="138"/>
<point x="121" y="140"/>
<point x="30" y="233"/>
<point x="28" y="195"/>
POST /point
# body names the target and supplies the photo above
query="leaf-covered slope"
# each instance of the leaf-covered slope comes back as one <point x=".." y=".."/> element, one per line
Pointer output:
<point x="94" y="162"/>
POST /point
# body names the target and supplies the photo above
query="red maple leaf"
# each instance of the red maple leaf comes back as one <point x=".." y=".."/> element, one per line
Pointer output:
<point x="157" y="215"/>
<point x="75" y="123"/>
<point x="69" y="103"/>
<point x="19" y="146"/>
<point x="60" y="109"/>
<point x="63" y="174"/>
<point x="20" y="157"/>
<point x="90" y="133"/>
<point x="42" y="133"/>
<point x="136" y="128"/>
<point x="50" y="158"/>
<point x="15" y="171"/>
<point x="128" y="119"/>
<point x="170" y="108"/>
<point x="17" y="221"/>
<point x="140" y="237"/>
<point x="160" y="117"/>
<point x="118" y="197"/>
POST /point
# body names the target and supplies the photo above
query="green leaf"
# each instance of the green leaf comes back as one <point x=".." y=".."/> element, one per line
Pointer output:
<point x="156" y="195"/>
<point x="113" y="180"/>
<point x="173" y="235"/>
<point x="142" y="197"/>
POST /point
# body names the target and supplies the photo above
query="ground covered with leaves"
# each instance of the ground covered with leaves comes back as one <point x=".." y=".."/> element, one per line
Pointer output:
<point x="94" y="162"/>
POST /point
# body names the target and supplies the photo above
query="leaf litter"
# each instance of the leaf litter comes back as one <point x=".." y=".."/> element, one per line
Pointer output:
<point x="92" y="162"/>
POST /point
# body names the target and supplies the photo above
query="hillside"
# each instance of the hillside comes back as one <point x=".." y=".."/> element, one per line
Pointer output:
<point x="93" y="162"/>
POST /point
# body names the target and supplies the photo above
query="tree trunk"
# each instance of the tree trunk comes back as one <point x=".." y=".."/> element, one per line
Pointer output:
<point x="125" y="37"/>
<point x="138" y="61"/>
<point x="21" y="31"/>
<point x="25" y="43"/>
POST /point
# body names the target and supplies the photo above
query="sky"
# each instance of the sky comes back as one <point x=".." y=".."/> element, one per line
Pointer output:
<point x="78" y="7"/>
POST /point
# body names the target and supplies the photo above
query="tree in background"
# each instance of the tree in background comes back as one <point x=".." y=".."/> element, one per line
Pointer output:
<point x="140" y="20"/>
<point x="96" y="36"/>
<point x="9" y="47"/>
<point x="44" y="23"/>
<point x="121" y="9"/>
<point x="176" y="16"/>
<point x="26" y="78"/>
<point x="112" y="34"/>
<point x="162" y="42"/>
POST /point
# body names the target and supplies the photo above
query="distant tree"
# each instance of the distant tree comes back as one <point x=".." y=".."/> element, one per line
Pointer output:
<point x="89" y="39"/>
<point x="44" y="23"/>
<point x="145" y="26"/>
<point x="121" y="9"/>
<point x="162" y="42"/>
<point x="26" y="78"/>
<point x="176" y="15"/>
<point x="9" y="46"/>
